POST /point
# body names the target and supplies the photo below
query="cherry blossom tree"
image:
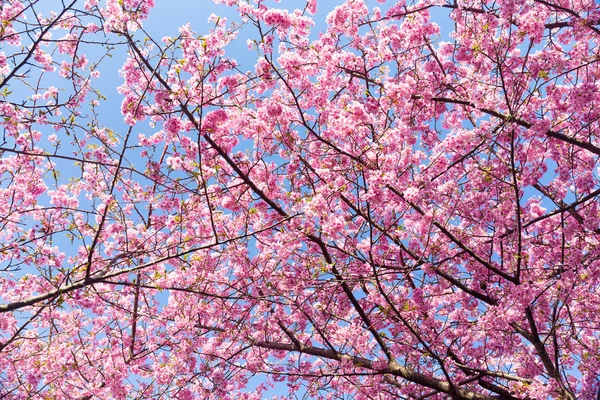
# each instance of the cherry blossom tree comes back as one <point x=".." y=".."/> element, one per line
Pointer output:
<point x="402" y="204"/>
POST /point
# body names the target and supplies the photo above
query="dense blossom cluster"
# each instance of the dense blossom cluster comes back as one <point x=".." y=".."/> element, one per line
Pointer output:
<point x="401" y="205"/>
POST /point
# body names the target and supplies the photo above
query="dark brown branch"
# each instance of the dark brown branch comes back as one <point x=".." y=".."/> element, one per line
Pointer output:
<point x="35" y="44"/>
<point x="105" y="275"/>
<point x="540" y="349"/>
<point x="556" y="135"/>
<point x="455" y="240"/>
<point x="393" y="368"/>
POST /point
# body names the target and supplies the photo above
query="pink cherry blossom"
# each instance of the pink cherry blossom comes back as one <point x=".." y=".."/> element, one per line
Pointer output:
<point x="397" y="201"/>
